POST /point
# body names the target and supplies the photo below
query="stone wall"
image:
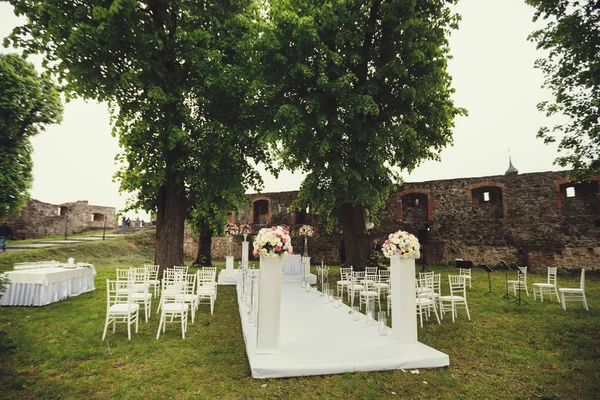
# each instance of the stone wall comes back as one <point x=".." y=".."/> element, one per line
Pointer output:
<point x="38" y="219"/>
<point x="528" y="218"/>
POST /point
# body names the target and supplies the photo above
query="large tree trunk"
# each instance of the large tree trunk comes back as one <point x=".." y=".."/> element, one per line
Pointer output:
<point x="170" y="227"/>
<point x="204" y="257"/>
<point x="356" y="243"/>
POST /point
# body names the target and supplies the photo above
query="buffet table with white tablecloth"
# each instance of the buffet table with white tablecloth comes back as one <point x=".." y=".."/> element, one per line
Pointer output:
<point x="42" y="286"/>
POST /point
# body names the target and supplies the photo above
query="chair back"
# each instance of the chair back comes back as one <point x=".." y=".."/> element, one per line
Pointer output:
<point x="205" y="277"/>
<point x="371" y="271"/>
<point x="384" y="275"/>
<point x="117" y="292"/>
<point x="172" y="274"/>
<point x="153" y="270"/>
<point x="464" y="271"/>
<point x="522" y="276"/>
<point x="457" y="285"/>
<point x="552" y="271"/>
<point x="345" y="273"/>
<point x="123" y="274"/>
<point x="181" y="268"/>
<point x="582" y="280"/>
<point x="437" y="283"/>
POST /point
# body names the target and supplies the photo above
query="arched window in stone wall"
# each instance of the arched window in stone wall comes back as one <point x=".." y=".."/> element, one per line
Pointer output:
<point x="576" y="199"/>
<point x="487" y="200"/>
<point x="414" y="205"/>
<point x="261" y="210"/>
<point x="97" y="217"/>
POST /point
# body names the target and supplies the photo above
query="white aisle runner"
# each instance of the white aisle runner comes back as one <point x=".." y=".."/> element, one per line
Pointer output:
<point x="318" y="339"/>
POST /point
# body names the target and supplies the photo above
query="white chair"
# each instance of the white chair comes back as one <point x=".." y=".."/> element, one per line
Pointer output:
<point x="457" y="297"/>
<point x="119" y="308"/>
<point x="189" y="294"/>
<point x="212" y="271"/>
<point x="154" y="280"/>
<point x="466" y="272"/>
<point x="206" y="290"/>
<point x="426" y="299"/>
<point x="548" y="288"/>
<point x="382" y="286"/>
<point x="344" y="281"/>
<point x="356" y="285"/>
<point x="174" y="308"/>
<point x="368" y="293"/>
<point x="520" y="283"/>
<point x="574" y="294"/>
<point x="140" y="290"/>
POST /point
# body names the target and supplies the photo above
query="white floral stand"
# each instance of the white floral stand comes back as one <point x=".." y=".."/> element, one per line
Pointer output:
<point x="229" y="264"/>
<point x="404" y="304"/>
<point x="245" y="251"/>
<point x="269" y="305"/>
<point x="305" y="269"/>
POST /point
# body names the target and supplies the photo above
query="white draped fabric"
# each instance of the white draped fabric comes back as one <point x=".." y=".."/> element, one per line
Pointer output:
<point x="39" y="287"/>
<point x="292" y="265"/>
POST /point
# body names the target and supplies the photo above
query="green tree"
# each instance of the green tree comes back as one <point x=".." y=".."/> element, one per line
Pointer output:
<point x="572" y="73"/>
<point x="357" y="90"/>
<point x="28" y="102"/>
<point x="156" y="63"/>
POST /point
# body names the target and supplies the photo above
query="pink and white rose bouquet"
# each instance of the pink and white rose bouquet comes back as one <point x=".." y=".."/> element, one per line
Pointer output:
<point x="306" y="230"/>
<point x="272" y="242"/>
<point x="231" y="230"/>
<point x="402" y="244"/>
<point x="245" y="229"/>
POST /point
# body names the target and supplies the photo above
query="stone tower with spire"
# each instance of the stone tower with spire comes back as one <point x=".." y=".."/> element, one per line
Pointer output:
<point x="511" y="170"/>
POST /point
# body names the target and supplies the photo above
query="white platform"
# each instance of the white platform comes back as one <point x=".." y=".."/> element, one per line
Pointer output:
<point x="318" y="339"/>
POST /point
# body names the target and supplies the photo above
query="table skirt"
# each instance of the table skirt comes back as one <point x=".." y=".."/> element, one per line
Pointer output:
<point x="33" y="294"/>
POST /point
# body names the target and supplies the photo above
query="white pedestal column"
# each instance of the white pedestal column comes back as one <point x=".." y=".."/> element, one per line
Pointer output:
<point x="245" y="253"/>
<point x="306" y="268"/>
<point x="229" y="263"/>
<point x="269" y="305"/>
<point x="404" y="303"/>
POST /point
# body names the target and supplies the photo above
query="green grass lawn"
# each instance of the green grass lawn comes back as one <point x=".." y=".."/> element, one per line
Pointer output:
<point x="504" y="352"/>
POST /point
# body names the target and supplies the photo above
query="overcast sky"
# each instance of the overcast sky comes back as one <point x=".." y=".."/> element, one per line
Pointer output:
<point x="492" y="73"/>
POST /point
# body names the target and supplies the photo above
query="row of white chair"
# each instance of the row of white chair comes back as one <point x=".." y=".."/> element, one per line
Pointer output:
<point x="550" y="287"/>
<point x="181" y="294"/>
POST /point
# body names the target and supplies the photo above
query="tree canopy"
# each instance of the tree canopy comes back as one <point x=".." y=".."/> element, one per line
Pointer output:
<point x="165" y="67"/>
<point x="358" y="90"/>
<point x="28" y="102"/>
<point x="572" y="73"/>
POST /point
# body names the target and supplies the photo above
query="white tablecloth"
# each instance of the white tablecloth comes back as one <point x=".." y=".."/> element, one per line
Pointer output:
<point x="292" y="265"/>
<point x="39" y="287"/>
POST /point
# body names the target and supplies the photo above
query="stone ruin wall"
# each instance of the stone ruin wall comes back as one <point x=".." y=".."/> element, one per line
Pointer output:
<point x="39" y="219"/>
<point x="526" y="218"/>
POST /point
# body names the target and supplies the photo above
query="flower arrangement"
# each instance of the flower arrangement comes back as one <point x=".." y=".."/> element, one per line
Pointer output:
<point x="245" y="229"/>
<point x="272" y="242"/>
<point x="402" y="244"/>
<point x="306" y="230"/>
<point x="231" y="230"/>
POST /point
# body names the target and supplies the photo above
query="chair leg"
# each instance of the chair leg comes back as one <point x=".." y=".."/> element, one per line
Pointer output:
<point x="129" y="327"/>
<point x="105" y="327"/>
<point x="585" y="302"/>
<point x="160" y="326"/>
<point x="564" y="303"/>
